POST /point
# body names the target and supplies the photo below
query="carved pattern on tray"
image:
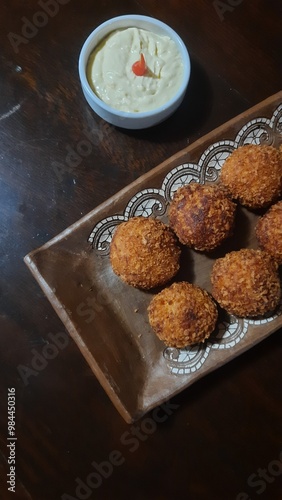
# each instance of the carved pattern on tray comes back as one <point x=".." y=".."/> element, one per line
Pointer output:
<point x="228" y="334"/>
<point x="153" y="202"/>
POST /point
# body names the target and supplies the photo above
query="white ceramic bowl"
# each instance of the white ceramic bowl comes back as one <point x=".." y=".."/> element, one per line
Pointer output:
<point x="124" y="119"/>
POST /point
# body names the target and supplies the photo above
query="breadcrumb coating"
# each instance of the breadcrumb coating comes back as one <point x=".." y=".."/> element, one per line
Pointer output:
<point x="182" y="314"/>
<point x="253" y="175"/>
<point x="246" y="283"/>
<point x="269" y="231"/>
<point x="202" y="216"/>
<point x="144" y="252"/>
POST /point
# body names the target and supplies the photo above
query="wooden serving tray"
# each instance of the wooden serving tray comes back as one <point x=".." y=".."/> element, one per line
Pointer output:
<point x="108" y="319"/>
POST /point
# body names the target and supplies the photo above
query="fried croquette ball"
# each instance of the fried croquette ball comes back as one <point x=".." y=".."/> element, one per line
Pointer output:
<point x="269" y="231"/>
<point x="182" y="314"/>
<point x="201" y="215"/>
<point x="253" y="175"/>
<point x="246" y="283"/>
<point x="144" y="252"/>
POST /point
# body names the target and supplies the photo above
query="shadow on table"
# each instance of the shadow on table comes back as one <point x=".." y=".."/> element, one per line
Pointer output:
<point x="189" y="117"/>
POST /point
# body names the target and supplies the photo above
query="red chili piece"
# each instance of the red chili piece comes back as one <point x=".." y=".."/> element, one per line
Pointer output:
<point x="139" y="67"/>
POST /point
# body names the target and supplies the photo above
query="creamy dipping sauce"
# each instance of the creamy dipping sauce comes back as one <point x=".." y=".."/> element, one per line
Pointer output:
<point x="110" y="73"/>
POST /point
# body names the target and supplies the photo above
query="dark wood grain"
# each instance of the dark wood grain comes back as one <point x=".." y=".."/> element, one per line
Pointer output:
<point x="221" y="433"/>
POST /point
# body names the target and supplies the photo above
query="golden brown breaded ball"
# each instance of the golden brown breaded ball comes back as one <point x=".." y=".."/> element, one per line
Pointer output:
<point x="201" y="215"/>
<point x="253" y="175"/>
<point x="246" y="283"/>
<point x="182" y="314"/>
<point x="269" y="231"/>
<point x="144" y="252"/>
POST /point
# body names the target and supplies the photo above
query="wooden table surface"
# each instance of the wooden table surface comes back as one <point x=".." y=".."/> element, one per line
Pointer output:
<point x="219" y="439"/>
